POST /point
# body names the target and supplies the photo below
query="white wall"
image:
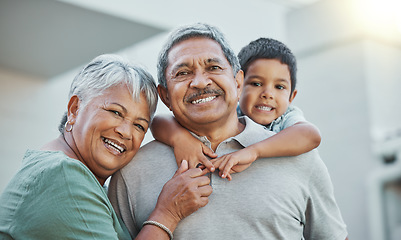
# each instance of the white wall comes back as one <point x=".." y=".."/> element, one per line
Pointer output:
<point x="349" y="87"/>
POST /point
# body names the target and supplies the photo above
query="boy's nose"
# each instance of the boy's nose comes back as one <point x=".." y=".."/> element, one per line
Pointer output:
<point x="266" y="93"/>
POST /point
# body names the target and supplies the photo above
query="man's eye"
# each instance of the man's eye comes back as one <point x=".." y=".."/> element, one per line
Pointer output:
<point x="181" y="73"/>
<point x="215" y="68"/>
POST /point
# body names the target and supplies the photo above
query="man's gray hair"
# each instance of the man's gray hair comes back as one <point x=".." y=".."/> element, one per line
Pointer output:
<point x="106" y="71"/>
<point x="192" y="31"/>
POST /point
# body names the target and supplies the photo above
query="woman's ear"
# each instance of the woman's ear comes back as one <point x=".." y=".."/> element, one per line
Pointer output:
<point x="73" y="107"/>
<point x="294" y="93"/>
<point x="163" y="94"/>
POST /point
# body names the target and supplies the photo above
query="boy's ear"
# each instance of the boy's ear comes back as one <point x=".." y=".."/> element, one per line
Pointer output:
<point x="163" y="94"/>
<point x="72" y="108"/>
<point x="294" y="93"/>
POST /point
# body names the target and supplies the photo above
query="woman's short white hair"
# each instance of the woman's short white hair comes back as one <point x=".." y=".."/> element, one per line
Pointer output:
<point x="109" y="70"/>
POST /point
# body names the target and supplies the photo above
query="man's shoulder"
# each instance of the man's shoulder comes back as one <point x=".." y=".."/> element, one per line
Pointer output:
<point x="151" y="155"/>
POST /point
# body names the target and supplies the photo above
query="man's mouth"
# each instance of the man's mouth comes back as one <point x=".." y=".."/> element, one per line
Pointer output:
<point x="203" y="100"/>
<point x="114" y="145"/>
<point x="204" y="96"/>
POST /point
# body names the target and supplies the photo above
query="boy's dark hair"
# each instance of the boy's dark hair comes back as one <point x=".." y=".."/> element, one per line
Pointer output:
<point x="268" y="48"/>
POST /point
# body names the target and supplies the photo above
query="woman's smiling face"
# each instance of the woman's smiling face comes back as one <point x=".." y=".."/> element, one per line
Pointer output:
<point x="109" y="130"/>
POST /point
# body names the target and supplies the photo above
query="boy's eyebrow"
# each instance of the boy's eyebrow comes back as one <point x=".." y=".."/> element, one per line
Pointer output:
<point x="283" y="80"/>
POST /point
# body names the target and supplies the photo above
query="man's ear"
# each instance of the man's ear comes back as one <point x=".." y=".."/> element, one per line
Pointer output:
<point x="73" y="107"/>
<point x="294" y="93"/>
<point x="163" y="94"/>
<point x="239" y="79"/>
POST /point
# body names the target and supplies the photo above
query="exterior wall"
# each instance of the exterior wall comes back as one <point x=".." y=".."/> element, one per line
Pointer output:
<point x="349" y="87"/>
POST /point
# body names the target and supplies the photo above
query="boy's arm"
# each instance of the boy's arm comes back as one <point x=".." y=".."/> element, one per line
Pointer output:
<point x="299" y="138"/>
<point x="167" y="130"/>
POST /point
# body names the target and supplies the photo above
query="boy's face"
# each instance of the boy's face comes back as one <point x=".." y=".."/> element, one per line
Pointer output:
<point x="267" y="90"/>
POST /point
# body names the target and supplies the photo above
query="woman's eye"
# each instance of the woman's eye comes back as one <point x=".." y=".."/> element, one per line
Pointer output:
<point x="139" y="126"/>
<point x="117" y="113"/>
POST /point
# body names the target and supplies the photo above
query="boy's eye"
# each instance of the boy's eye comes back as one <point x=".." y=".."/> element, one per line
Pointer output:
<point x="280" y="87"/>
<point x="256" y="84"/>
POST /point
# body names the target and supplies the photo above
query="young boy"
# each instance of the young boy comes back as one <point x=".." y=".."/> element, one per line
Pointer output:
<point x="269" y="88"/>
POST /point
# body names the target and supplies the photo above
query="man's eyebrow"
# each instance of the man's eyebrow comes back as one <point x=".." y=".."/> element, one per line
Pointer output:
<point x="214" y="60"/>
<point x="178" y="66"/>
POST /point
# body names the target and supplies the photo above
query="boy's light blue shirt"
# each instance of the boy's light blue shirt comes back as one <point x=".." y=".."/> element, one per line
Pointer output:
<point x="290" y="117"/>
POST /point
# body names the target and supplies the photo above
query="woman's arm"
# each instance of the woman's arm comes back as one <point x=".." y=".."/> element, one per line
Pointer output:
<point x="185" y="193"/>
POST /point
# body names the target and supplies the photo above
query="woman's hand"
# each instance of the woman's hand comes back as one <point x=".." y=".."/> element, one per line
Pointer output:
<point x="182" y="195"/>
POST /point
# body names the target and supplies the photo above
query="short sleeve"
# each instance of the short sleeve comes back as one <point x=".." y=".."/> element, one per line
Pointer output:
<point x="118" y="195"/>
<point x="292" y="116"/>
<point x="67" y="202"/>
<point x="322" y="217"/>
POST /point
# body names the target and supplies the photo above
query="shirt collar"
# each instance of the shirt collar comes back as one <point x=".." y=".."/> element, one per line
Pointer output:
<point x="252" y="133"/>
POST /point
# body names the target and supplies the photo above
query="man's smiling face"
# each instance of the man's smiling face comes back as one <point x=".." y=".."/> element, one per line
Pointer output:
<point x="201" y="88"/>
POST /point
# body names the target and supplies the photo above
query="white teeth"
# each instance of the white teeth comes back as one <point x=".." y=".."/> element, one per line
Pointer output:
<point x="113" y="145"/>
<point x="203" y="100"/>
<point x="264" y="108"/>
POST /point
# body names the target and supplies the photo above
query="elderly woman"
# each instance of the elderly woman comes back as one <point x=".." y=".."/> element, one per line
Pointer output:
<point x="58" y="193"/>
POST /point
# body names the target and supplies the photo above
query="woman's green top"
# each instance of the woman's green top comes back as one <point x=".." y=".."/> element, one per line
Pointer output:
<point x="56" y="197"/>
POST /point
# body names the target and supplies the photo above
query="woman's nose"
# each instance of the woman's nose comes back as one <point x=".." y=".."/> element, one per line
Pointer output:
<point x="124" y="129"/>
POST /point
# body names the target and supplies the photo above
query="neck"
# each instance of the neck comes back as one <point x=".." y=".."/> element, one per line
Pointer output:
<point x="66" y="144"/>
<point x="218" y="132"/>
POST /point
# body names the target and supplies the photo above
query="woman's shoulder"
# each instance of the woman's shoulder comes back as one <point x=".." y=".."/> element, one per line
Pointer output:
<point x="55" y="165"/>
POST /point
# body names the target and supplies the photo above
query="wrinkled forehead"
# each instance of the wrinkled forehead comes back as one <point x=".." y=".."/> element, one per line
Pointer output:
<point x="198" y="49"/>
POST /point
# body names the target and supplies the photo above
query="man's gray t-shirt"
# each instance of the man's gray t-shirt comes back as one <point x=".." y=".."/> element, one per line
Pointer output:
<point x="275" y="198"/>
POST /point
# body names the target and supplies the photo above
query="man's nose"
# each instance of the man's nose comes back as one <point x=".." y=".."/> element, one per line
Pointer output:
<point x="200" y="80"/>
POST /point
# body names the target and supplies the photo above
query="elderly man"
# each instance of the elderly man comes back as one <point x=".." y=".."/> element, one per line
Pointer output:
<point x="275" y="198"/>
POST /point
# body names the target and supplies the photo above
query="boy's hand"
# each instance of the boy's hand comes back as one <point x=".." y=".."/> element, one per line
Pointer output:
<point x="234" y="162"/>
<point x="195" y="152"/>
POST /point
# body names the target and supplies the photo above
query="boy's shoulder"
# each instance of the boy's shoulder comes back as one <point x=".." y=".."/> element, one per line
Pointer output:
<point x="292" y="116"/>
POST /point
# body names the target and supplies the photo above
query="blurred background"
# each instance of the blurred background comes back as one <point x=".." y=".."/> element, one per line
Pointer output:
<point x="349" y="60"/>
